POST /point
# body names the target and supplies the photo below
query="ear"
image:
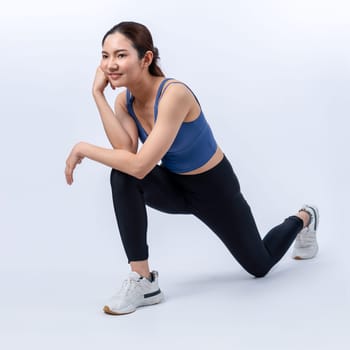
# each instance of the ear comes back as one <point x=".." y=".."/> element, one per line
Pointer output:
<point x="147" y="59"/>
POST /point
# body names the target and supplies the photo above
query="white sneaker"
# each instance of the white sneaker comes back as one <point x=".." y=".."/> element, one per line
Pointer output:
<point x="306" y="246"/>
<point x="135" y="291"/>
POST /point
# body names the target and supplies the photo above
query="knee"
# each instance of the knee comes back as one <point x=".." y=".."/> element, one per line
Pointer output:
<point x="259" y="272"/>
<point x="120" y="180"/>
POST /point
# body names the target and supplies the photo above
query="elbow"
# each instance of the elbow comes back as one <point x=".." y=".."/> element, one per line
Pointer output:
<point x="140" y="170"/>
<point x="140" y="176"/>
<point x="140" y="173"/>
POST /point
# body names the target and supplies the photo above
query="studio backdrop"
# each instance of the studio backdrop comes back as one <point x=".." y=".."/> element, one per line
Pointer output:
<point x="273" y="81"/>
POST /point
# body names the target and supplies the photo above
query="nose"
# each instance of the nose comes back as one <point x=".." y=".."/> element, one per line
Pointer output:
<point x="112" y="64"/>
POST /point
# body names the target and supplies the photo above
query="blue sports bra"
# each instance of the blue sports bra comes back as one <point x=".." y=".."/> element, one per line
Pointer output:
<point x="194" y="144"/>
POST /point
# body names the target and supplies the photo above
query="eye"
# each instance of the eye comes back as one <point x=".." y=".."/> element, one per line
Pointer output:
<point x="104" y="56"/>
<point x="121" y="55"/>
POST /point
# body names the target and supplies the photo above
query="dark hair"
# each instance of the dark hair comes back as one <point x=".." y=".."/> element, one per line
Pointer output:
<point x="142" y="41"/>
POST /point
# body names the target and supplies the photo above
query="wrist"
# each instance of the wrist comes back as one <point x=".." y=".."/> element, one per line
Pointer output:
<point x="80" y="149"/>
<point x="97" y="93"/>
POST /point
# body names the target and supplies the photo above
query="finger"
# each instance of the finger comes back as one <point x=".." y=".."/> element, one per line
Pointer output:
<point x="69" y="175"/>
<point x="69" y="179"/>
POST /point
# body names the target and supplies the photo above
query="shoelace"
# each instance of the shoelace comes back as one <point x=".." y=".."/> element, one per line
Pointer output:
<point x="128" y="285"/>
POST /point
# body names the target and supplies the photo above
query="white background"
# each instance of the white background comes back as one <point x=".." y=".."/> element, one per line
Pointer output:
<point x="273" y="80"/>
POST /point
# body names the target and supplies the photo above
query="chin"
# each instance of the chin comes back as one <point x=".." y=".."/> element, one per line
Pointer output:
<point x="118" y="84"/>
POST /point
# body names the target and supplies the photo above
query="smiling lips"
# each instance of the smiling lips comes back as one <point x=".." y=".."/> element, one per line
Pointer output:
<point x="114" y="75"/>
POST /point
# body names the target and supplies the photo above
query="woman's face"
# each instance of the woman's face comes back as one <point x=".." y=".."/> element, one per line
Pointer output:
<point x="120" y="61"/>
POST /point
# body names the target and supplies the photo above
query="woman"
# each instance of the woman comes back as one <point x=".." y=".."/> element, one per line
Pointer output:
<point x="194" y="176"/>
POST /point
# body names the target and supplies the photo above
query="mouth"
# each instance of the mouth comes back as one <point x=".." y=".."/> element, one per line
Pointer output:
<point x="114" y="76"/>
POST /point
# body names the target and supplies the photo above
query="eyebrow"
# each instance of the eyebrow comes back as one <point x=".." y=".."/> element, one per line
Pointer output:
<point x="116" y="51"/>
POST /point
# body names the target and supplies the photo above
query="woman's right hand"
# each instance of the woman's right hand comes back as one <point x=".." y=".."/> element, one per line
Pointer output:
<point x="100" y="82"/>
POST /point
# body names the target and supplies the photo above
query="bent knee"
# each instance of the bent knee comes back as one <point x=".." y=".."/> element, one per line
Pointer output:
<point x="259" y="272"/>
<point x="118" y="179"/>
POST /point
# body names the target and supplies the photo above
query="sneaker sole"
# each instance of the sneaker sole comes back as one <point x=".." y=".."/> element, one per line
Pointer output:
<point x="108" y="311"/>
<point x="301" y="258"/>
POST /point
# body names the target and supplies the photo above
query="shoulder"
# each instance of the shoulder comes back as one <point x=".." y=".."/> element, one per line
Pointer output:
<point x="176" y="90"/>
<point x="175" y="102"/>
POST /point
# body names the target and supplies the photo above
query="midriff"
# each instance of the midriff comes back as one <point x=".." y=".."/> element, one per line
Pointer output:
<point x="211" y="163"/>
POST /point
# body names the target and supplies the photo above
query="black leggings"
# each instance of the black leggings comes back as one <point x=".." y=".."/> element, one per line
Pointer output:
<point x="215" y="198"/>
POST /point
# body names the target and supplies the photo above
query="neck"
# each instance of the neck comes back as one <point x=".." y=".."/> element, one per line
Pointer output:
<point x="145" y="89"/>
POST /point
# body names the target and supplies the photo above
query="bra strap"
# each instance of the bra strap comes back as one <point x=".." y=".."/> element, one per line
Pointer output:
<point x="161" y="93"/>
<point x="158" y="96"/>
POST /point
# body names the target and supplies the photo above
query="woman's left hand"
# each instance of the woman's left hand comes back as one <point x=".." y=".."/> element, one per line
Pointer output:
<point x="75" y="157"/>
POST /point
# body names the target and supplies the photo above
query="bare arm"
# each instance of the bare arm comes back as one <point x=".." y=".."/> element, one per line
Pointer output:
<point x="119" y="126"/>
<point x="173" y="109"/>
